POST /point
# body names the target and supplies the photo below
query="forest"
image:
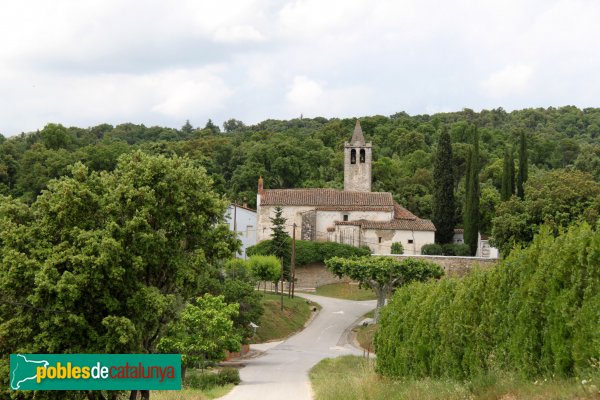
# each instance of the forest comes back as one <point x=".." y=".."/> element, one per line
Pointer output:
<point x="307" y="152"/>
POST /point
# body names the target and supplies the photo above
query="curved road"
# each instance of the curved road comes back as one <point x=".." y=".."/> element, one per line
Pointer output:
<point x="282" y="372"/>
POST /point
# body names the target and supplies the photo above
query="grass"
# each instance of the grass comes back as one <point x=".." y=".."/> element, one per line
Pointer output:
<point x="346" y="291"/>
<point x="191" y="394"/>
<point x="352" y="377"/>
<point x="276" y="324"/>
<point x="365" y="336"/>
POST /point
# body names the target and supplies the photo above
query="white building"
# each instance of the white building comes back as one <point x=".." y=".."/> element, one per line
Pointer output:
<point x="242" y="220"/>
<point x="483" y="244"/>
<point x="354" y="216"/>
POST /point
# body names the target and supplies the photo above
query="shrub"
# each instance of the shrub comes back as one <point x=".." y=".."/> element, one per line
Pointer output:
<point x="535" y="314"/>
<point x="431" y="250"/>
<point x="265" y="268"/>
<point x="208" y="379"/>
<point x="237" y="268"/>
<point x="308" y="252"/>
<point x="451" y="249"/>
<point x="397" y="248"/>
<point x="229" y="375"/>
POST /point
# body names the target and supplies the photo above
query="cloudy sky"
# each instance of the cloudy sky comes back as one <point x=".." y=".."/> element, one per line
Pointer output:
<point x="154" y="62"/>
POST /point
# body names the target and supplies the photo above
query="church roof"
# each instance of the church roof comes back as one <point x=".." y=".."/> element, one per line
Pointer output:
<point x="402" y="213"/>
<point x="357" y="136"/>
<point x="395" y="224"/>
<point x="324" y="197"/>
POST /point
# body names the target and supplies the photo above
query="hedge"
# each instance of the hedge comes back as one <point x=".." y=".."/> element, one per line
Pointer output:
<point x="308" y="252"/>
<point x="536" y="314"/>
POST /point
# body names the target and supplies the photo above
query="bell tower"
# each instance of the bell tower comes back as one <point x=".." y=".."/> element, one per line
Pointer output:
<point x="357" y="162"/>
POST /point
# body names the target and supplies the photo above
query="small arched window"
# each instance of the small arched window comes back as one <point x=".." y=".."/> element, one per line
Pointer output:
<point x="353" y="156"/>
<point x="362" y="156"/>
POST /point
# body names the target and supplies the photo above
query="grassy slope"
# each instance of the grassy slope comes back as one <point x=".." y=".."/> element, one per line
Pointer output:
<point x="345" y="291"/>
<point x="353" y="377"/>
<point x="365" y="336"/>
<point x="276" y="324"/>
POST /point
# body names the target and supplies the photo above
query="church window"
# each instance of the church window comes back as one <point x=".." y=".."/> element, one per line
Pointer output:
<point x="379" y="239"/>
<point x="353" y="156"/>
<point x="410" y="241"/>
<point x="362" y="156"/>
<point x="345" y="217"/>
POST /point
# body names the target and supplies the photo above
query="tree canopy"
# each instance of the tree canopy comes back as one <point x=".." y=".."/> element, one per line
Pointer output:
<point x="103" y="261"/>
<point x="384" y="274"/>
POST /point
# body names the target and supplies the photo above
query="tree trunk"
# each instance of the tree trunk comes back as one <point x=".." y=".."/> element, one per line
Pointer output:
<point x="380" y="293"/>
<point x="183" y="369"/>
<point x="145" y="394"/>
<point x="133" y="395"/>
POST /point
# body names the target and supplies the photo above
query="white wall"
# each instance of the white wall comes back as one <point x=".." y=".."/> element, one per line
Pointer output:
<point x="418" y="238"/>
<point x="245" y="226"/>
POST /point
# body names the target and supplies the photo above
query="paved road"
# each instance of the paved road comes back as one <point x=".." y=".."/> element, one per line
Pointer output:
<point x="282" y="372"/>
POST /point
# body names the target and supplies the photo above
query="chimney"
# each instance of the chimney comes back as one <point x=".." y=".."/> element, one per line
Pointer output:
<point x="260" y="185"/>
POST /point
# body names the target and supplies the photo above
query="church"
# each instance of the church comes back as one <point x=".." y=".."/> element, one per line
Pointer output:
<point x="354" y="216"/>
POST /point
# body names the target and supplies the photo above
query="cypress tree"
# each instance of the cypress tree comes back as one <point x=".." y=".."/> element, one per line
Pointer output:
<point x="280" y="240"/>
<point x="471" y="216"/>
<point x="508" y="175"/>
<point x="522" y="177"/>
<point x="443" y="193"/>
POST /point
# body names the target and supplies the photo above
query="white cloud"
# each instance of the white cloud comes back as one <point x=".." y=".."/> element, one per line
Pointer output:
<point x="512" y="80"/>
<point x="304" y="93"/>
<point x="154" y="62"/>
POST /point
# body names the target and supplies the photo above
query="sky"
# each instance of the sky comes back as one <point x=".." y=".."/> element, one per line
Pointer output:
<point x="87" y="62"/>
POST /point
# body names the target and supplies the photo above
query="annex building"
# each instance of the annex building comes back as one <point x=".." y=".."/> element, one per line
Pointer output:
<point x="354" y="216"/>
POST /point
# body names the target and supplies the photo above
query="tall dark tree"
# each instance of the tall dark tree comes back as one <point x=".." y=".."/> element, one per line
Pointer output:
<point x="522" y="177"/>
<point x="443" y="192"/>
<point x="471" y="213"/>
<point x="280" y="240"/>
<point x="508" y="175"/>
<point x="214" y="128"/>
<point x="187" y="127"/>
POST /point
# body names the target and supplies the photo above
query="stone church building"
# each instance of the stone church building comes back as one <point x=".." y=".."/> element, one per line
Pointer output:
<point x="354" y="216"/>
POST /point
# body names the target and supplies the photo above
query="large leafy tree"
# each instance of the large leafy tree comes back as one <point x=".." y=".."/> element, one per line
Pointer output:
<point x="383" y="274"/>
<point x="443" y="191"/>
<point x="102" y="262"/>
<point x="555" y="198"/>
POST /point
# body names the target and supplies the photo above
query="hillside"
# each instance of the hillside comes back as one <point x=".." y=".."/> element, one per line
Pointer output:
<point x="306" y="152"/>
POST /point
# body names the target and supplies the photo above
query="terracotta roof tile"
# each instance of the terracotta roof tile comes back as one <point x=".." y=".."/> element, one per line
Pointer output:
<point x="324" y="197"/>
<point x="395" y="224"/>
<point x="355" y="208"/>
<point x="402" y="213"/>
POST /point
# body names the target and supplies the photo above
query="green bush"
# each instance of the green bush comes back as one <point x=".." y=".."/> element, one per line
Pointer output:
<point x="265" y="268"/>
<point x="397" y="248"/>
<point x="431" y="250"/>
<point x="207" y="379"/>
<point x="451" y="249"/>
<point x="308" y="252"/>
<point x="229" y="375"/>
<point x="536" y="314"/>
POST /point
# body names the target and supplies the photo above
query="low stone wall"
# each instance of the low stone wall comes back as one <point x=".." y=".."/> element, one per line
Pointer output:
<point x="454" y="266"/>
<point x="315" y="275"/>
